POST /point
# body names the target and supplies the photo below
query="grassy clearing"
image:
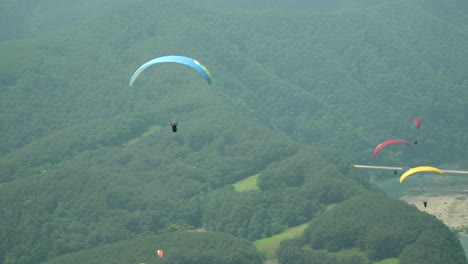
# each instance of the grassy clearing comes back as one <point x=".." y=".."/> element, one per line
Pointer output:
<point x="388" y="261"/>
<point x="348" y="252"/>
<point x="355" y="252"/>
<point x="151" y="130"/>
<point x="248" y="184"/>
<point x="269" y="245"/>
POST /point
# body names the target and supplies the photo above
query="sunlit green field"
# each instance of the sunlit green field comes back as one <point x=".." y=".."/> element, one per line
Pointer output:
<point x="151" y="130"/>
<point x="268" y="246"/>
<point x="388" y="261"/>
<point x="248" y="184"/>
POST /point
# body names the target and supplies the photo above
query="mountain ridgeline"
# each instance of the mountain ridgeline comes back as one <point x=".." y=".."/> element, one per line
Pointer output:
<point x="90" y="171"/>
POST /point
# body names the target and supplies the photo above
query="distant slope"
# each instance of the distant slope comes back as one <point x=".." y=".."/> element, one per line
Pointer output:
<point x="26" y="19"/>
<point x="311" y="5"/>
<point x="364" y="71"/>
<point x="296" y="96"/>
<point x="346" y="79"/>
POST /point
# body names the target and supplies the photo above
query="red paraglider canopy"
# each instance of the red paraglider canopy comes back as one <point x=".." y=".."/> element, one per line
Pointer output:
<point x="390" y="142"/>
<point x="417" y="122"/>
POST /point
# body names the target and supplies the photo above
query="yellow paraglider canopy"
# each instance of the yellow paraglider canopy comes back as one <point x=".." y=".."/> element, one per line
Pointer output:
<point x="420" y="169"/>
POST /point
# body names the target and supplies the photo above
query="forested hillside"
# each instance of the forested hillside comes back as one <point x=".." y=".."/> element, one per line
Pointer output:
<point x="364" y="75"/>
<point x="89" y="165"/>
<point x="359" y="75"/>
<point x="25" y="19"/>
<point x="187" y="248"/>
<point x="317" y="91"/>
<point x="381" y="228"/>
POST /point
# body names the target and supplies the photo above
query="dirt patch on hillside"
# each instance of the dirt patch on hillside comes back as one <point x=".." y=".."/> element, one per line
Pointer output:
<point x="452" y="209"/>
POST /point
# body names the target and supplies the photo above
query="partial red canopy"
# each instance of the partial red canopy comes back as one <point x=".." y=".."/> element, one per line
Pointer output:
<point x="160" y="253"/>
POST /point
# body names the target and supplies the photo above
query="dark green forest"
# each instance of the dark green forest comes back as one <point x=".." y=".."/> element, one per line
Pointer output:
<point x="90" y="171"/>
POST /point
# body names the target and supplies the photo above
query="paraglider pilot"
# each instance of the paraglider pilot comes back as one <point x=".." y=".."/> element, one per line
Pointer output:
<point x="174" y="126"/>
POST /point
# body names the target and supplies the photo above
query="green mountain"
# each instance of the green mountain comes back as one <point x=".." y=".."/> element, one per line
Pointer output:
<point x="362" y="74"/>
<point x="89" y="166"/>
<point x="26" y="19"/>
